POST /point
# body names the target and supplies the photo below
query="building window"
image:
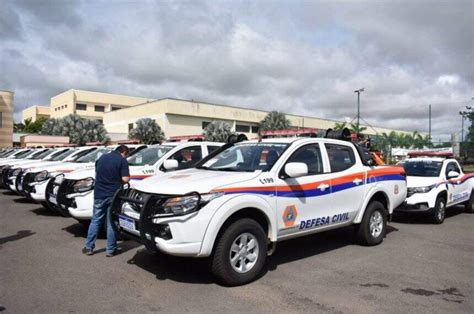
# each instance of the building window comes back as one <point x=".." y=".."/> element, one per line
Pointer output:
<point x="242" y="128"/>
<point x="62" y="107"/>
<point x="205" y="124"/>
<point x="81" y="107"/>
<point x="101" y="121"/>
<point x="65" y="106"/>
<point x="130" y="127"/>
<point x="115" y="108"/>
<point x="99" y="108"/>
<point x="255" y="129"/>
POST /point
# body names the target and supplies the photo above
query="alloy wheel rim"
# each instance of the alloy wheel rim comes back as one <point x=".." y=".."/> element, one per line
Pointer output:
<point x="441" y="211"/>
<point x="376" y="224"/>
<point x="243" y="253"/>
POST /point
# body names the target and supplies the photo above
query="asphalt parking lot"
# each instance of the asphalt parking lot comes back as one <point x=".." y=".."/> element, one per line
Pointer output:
<point x="420" y="267"/>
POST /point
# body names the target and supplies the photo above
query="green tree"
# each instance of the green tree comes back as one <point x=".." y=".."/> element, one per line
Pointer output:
<point x="340" y="125"/>
<point x="217" y="131"/>
<point x="274" y="120"/>
<point x="469" y="115"/>
<point x="79" y="130"/>
<point x="18" y="127"/>
<point x="357" y="129"/>
<point x="34" y="127"/>
<point x="147" y="131"/>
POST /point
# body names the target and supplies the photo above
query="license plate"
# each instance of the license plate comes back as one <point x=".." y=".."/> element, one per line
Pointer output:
<point x="127" y="223"/>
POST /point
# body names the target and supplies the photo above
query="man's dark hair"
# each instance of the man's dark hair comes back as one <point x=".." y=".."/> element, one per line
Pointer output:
<point x="123" y="149"/>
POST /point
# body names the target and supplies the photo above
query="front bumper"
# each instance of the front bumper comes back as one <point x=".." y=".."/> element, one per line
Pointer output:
<point x="413" y="208"/>
<point x="82" y="206"/>
<point x="176" y="235"/>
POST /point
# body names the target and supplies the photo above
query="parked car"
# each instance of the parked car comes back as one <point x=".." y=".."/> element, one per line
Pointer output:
<point x="56" y="176"/>
<point x="434" y="184"/>
<point x="76" y="193"/>
<point x="35" y="180"/>
<point x="238" y="202"/>
<point x="40" y="157"/>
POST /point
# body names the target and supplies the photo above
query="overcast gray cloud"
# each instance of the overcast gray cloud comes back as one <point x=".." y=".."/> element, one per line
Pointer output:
<point x="299" y="57"/>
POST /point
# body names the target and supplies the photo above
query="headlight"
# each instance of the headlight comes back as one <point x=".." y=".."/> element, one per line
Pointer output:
<point x="83" y="185"/>
<point x="41" y="176"/>
<point x="186" y="204"/>
<point x="420" y="189"/>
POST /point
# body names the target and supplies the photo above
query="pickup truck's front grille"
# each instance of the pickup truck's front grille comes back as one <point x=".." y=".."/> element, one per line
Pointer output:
<point x="27" y="179"/>
<point x="66" y="188"/>
<point x="53" y="194"/>
<point x="5" y="172"/>
<point x="141" y="207"/>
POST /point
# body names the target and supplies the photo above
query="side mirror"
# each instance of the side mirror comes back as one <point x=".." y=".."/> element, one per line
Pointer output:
<point x="170" y="164"/>
<point x="296" y="169"/>
<point x="453" y="174"/>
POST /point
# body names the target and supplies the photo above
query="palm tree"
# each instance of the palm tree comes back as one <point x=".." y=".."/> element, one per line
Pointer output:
<point x="340" y="125"/>
<point x="147" y="131"/>
<point x="357" y="129"/>
<point x="217" y="131"/>
<point x="274" y="120"/>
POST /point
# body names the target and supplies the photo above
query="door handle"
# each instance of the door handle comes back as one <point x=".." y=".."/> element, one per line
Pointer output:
<point x="357" y="181"/>
<point x="323" y="186"/>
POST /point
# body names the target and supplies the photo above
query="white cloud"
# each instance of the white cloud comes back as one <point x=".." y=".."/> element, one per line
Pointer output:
<point x="302" y="58"/>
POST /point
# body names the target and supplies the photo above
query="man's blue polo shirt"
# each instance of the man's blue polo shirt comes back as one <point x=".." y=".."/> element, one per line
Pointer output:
<point x="109" y="170"/>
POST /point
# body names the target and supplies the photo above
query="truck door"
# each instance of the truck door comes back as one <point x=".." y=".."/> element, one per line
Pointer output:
<point x="348" y="178"/>
<point x="458" y="191"/>
<point x="303" y="203"/>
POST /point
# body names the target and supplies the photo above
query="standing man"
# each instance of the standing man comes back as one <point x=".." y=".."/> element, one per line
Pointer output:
<point x="111" y="172"/>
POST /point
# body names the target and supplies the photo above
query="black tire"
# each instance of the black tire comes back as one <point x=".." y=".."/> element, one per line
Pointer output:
<point x="374" y="211"/>
<point x="220" y="262"/>
<point x="439" y="211"/>
<point x="469" y="206"/>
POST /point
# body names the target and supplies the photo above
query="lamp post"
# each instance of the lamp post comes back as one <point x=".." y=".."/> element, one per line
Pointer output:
<point x="358" y="91"/>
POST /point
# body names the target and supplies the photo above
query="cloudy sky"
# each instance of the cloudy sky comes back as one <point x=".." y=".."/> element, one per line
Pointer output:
<point x="301" y="57"/>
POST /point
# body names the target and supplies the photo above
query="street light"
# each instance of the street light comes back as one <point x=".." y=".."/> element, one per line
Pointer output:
<point x="358" y="91"/>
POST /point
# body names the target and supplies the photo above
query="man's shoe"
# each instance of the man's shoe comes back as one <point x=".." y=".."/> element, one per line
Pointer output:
<point x="87" y="251"/>
<point x="113" y="253"/>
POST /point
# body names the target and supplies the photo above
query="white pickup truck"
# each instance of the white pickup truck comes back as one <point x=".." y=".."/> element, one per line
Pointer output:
<point x="241" y="200"/>
<point x="76" y="193"/>
<point x="435" y="184"/>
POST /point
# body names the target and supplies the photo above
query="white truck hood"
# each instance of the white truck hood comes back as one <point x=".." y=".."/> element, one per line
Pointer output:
<point x="414" y="182"/>
<point x="136" y="172"/>
<point x="65" y="167"/>
<point x="192" y="180"/>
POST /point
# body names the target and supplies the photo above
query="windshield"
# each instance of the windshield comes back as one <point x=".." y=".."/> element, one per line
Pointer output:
<point x="247" y="157"/>
<point x="94" y="155"/>
<point x="423" y="168"/>
<point x="148" y="156"/>
<point x="24" y="154"/>
<point x="6" y="153"/>
<point x="40" y="155"/>
<point x="57" y="154"/>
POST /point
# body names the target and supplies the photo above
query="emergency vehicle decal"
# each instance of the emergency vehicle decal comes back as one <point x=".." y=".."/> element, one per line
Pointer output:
<point x="457" y="181"/>
<point x="139" y="176"/>
<point x="313" y="189"/>
<point x="289" y="216"/>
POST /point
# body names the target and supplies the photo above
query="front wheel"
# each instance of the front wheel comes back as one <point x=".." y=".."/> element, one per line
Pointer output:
<point x="371" y="230"/>
<point x="240" y="253"/>
<point x="439" y="211"/>
<point x="469" y="204"/>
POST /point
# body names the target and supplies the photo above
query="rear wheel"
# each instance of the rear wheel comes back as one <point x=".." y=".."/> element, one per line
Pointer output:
<point x="240" y="253"/>
<point x="371" y="230"/>
<point x="469" y="204"/>
<point x="439" y="211"/>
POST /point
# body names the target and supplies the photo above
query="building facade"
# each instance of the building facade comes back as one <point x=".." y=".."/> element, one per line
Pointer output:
<point x="179" y="117"/>
<point x="35" y="112"/>
<point x="6" y="118"/>
<point x="90" y="105"/>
